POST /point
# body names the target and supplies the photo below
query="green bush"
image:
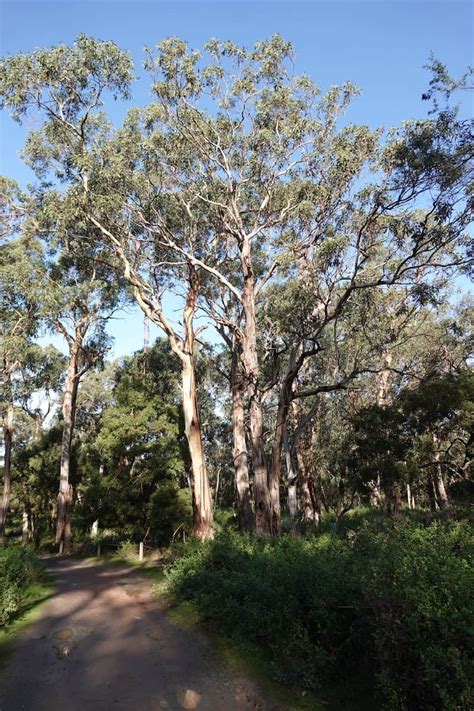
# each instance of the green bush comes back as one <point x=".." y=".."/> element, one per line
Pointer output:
<point x="170" y="510"/>
<point x="390" y="607"/>
<point x="19" y="567"/>
<point x="420" y="592"/>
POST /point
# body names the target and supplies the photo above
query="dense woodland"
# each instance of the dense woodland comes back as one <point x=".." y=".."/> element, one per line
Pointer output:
<point x="316" y="363"/>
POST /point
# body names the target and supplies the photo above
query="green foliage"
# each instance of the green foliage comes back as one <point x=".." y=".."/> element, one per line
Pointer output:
<point x="420" y="591"/>
<point x="385" y="606"/>
<point x="19" y="567"/>
<point x="170" y="511"/>
<point x="423" y="426"/>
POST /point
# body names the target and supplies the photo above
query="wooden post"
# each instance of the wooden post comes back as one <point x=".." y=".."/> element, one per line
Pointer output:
<point x="98" y="549"/>
<point x="61" y="547"/>
<point x="140" y="551"/>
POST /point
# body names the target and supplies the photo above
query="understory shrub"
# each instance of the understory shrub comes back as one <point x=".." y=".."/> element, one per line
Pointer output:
<point x="392" y="607"/>
<point x="19" y="567"/>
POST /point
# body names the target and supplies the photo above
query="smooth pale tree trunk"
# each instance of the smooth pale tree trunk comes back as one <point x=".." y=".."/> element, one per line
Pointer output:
<point x="202" y="499"/>
<point x="184" y="350"/>
<point x="252" y="373"/>
<point x="410" y="498"/>
<point x="25" y="527"/>
<point x="292" y="476"/>
<point x="7" y="457"/>
<point x="5" y="500"/>
<point x="63" y="525"/>
<point x="438" y="481"/>
<point x="239" y="448"/>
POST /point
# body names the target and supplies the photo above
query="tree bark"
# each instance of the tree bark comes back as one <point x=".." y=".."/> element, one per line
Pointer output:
<point x="239" y="448"/>
<point x="8" y="442"/>
<point x="309" y="510"/>
<point x="438" y="481"/>
<point x="202" y="500"/>
<point x="25" y="527"/>
<point x="292" y="482"/>
<point x="284" y="402"/>
<point x="251" y="367"/>
<point x="184" y="350"/>
<point x="63" y="526"/>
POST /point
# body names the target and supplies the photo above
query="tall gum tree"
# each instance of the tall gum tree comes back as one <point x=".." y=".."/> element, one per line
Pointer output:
<point x="238" y="172"/>
<point x="19" y="307"/>
<point x="67" y="84"/>
<point x="286" y="197"/>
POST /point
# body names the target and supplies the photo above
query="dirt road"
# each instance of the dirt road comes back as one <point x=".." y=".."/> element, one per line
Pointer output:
<point x="103" y="643"/>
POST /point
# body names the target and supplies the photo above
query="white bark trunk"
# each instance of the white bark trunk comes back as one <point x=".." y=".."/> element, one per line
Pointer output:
<point x="63" y="528"/>
<point x="7" y="457"/>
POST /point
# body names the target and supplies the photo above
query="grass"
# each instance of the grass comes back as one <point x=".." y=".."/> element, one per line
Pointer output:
<point x="35" y="595"/>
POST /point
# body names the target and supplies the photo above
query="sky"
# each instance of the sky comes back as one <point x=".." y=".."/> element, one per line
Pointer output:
<point x="381" y="46"/>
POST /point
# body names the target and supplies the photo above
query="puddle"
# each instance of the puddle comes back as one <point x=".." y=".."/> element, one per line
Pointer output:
<point x="65" y="633"/>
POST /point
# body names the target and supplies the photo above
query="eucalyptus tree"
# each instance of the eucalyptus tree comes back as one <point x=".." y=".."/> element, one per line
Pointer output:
<point x="67" y="85"/>
<point x="20" y="257"/>
<point x="81" y="292"/>
<point x="239" y="175"/>
<point x="285" y="193"/>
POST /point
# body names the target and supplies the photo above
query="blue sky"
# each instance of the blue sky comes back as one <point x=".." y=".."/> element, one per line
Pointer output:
<point x="382" y="46"/>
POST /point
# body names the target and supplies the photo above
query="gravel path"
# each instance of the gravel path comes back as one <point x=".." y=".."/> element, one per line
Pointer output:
<point x="103" y="643"/>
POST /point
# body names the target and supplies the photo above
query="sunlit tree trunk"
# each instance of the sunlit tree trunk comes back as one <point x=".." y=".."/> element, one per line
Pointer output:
<point x="438" y="481"/>
<point x="7" y="457"/>
<point x="63" y="525"/>
<point x="239" y="448"/>
<point x="202" y="500"/>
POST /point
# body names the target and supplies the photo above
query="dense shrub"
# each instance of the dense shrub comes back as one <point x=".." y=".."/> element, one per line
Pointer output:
<point x="19" y="567"/>
<point x="170" y="509"/>
<point x="389" y="606"/>
<point x="420" y="590"/>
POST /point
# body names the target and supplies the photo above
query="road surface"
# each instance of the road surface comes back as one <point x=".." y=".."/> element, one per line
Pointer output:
<point x="104" y="644"/>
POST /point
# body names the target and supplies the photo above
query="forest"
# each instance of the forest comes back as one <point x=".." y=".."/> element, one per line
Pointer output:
<point x="300" y="436"/>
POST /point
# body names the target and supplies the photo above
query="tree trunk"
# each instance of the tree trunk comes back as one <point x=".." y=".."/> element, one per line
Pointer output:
<point x="8" y="439"/>
<point x="25" y="527"/>
<point x="251" y="366"/>
<point x="309" y="512"/>
<point x="438" y="482"/>
<point x="7" y="457"/>
<point x="295" y="362"/>
<point x="410" y="498"/>
<point x="239" y="448"/>
<point x="202" y="500"/>
<point x="63" y="526"/>
<point x="292" y="482"/>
